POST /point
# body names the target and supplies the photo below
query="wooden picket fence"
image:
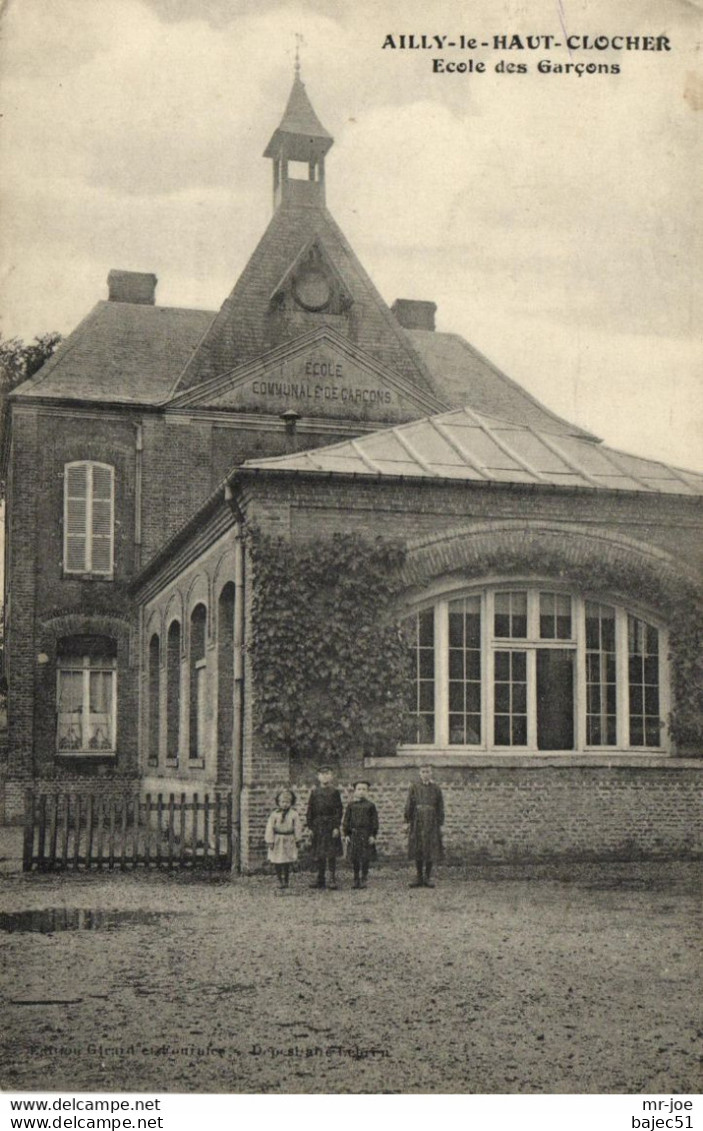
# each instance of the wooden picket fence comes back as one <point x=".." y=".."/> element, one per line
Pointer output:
<point x="66" y="831"/>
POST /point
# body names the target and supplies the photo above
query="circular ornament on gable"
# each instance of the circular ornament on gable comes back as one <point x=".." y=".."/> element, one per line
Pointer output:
<point x="312" y="290"/>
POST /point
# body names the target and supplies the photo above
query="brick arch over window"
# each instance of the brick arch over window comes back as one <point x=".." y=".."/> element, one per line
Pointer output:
<point x="83" y="624"/>
<point x="596" y="556"/>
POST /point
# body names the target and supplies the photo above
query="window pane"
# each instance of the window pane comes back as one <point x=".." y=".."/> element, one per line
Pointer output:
<point x="426" y="628"/>
<point x="502" y="697"/>
<point x="456" y="696"/>
<point x="643" y="668"/>
<point x="554" y="616"/>
<point x="510" y="699"/>
<point x="464" y="670"/>
<point x="456" y="628"/>
<point x="473" y="698"/>
<point x="601" y="692"/>
<point x="511" y="614"/>
<point x="426" y="663"/>
<point x="519" y="731"/>
<point x="502" y="730"/>
<point x="420" y="628"/>
<point x="502" y="625"/>
<point x="502" y="665"/>
<point x="426" y="695"/>
<point x="520" y="697"/>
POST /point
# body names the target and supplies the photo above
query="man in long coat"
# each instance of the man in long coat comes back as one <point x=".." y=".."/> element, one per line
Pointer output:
<point x="424" y="812"/>
<point x="324" y="819"/>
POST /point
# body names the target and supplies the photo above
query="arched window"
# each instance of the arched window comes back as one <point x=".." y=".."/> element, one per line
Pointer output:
<point x="173" y="691"/>
<point x="153" y="700"/>
<point x="198" y="623"/>
<point x="86" y="695"/>
<point x="88" y="523"/>
<point x="534" y="668"/>
<point x="225" y="680"/>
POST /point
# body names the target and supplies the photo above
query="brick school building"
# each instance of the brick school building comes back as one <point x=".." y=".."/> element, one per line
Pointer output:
<point x="174" y="479"/>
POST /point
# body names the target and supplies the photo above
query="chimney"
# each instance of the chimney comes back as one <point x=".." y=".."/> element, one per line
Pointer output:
<point x="131" y="286"/>
<point x="414" y="314"/>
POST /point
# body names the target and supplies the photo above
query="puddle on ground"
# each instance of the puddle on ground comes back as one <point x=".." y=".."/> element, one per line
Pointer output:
<point x="51" y="919"/>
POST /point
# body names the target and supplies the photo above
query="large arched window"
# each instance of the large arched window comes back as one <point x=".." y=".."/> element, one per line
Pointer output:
<point x="534" y="668"/>
<point x="198" y="623"/>
<point x="153" y="700"/>
<point x="173" y="691"/>
<point x="225" y="678"/>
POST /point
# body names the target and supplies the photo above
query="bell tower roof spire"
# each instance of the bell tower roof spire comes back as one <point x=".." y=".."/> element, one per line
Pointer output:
<point x="300" y="137"/>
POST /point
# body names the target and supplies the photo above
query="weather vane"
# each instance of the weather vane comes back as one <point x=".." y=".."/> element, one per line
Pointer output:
<point x="299" y="42"/>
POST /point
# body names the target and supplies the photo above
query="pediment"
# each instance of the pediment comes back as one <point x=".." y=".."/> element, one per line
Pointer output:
<point x="320" y="374"/>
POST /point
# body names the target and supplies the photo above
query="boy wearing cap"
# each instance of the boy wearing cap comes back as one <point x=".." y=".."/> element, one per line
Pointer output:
<point x="360" y="829"/>
<point x="324" y="819"/>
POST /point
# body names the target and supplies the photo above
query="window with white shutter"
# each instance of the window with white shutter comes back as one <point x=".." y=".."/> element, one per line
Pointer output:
<point x="89" y="502"/>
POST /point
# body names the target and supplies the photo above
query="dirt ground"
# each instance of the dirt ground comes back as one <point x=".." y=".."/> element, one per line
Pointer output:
<point x="547" y="979"/>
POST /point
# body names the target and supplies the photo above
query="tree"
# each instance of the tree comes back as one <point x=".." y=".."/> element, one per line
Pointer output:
<point x="18" y="360"/>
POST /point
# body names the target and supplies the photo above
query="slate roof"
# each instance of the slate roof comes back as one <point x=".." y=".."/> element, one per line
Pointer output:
<point x="472" y="447"/>
<point x="239" y="332"/>
<point x="121" y="352"/>
<point x="299" y="118"/>
<point x="464" y="376"/>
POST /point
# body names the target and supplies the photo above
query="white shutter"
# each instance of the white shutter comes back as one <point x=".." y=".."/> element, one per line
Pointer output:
<point x="88" y="518"/>
<point x="76" y="488"/>
<point x="101" y="519"/>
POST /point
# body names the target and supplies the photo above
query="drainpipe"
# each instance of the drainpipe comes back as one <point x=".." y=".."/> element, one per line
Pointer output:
<point x="238" y="690"/>
<point x="138" y="449"/>
<point x="290" y="420"/>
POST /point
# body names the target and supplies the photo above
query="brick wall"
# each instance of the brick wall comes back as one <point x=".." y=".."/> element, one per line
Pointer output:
<point x="529" y="813"/>
<point x="316" y="507"/>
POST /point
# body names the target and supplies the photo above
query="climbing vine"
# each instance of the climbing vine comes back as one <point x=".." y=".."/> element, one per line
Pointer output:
<point x="329" y="660"/>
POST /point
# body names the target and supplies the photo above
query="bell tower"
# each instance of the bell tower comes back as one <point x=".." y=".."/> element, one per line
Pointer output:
<point x="299" y="145"/>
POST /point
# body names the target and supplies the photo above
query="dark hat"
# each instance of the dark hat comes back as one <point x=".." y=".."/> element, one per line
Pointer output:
<point x="289" y="791"/>
<point x="324" y="770"/>
<point x="362" y="781"/>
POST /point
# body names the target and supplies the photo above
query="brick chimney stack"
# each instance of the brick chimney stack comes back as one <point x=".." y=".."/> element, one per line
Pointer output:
<point x="131" y="286"/>
<point x="413" y="314"/>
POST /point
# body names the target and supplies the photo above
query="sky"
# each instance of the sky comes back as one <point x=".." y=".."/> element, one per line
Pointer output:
<point x="555" y="218"/>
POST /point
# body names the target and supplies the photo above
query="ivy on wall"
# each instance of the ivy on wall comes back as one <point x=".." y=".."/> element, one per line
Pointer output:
<point x="329" y="660"/>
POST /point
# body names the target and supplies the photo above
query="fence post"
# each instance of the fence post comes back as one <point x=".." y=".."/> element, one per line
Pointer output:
<point x="170" y="829"/>
<point x="66" y="829"/>
<point x="28" y="843"/>
<point x="137" y="825"/>
<point x="206" y="829"/>
<point x="77" y="831"/>
<point x="89" y="833"/>
<point x="147" y="831"/>
<point x="230" y="832"/>
<point x="182" y="832"/>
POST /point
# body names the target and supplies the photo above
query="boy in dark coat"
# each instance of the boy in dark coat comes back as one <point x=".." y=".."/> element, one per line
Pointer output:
<point x="424" y="812"/>
<point x="324" y="819"/>
<point x="360" y="829"/>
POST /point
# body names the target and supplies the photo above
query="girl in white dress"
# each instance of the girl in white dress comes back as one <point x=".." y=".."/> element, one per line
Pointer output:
<point x="283" y="835"/>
